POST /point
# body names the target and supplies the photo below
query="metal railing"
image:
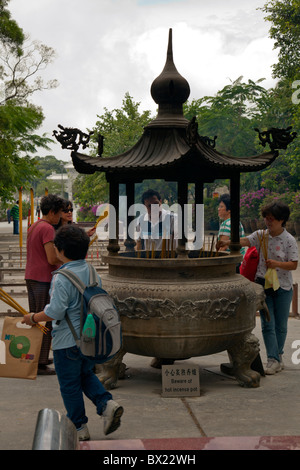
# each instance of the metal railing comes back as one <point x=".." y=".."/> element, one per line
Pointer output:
<point x="54" y="432"/>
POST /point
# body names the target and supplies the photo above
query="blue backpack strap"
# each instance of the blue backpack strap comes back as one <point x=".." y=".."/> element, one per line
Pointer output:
<point x="93" y="276"/>
<point x="73" y="278"/>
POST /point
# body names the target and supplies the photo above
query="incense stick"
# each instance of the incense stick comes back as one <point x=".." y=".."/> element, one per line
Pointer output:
<point x="263" y="241"/>
<point x="212" y="244"/>
<point x="5" y="297"/>
<point x="152" y="250"/>
<point x="163" y="248"/>
<point x="172" y="246"/>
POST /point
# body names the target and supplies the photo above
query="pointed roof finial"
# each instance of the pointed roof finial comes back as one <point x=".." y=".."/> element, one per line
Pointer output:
<point x="170" y="90"/>
<point x="170" y="46"/>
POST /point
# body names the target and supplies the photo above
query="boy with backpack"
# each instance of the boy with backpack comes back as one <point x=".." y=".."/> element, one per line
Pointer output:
<point x="75" y="371"/>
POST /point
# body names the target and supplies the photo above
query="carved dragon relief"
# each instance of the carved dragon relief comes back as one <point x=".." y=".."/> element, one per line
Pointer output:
<point x="276" y="138"/>
<point x="72" y="138"/>
<point x="192" y="134"/>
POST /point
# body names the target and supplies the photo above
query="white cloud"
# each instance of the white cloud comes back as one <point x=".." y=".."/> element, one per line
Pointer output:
<point x="108" y="47"/>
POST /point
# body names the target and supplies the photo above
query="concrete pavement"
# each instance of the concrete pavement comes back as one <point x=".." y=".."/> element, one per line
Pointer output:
<point x="223" y="409"/>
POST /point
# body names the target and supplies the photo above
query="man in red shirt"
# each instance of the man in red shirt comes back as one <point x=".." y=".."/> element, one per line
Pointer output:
<point x="41" y="261"/>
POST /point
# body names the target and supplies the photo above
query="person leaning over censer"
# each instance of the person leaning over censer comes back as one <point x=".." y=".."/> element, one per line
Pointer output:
<point x="278" y="256"/>
<point x="152" y="232"/>
<point x="41" y="262"/>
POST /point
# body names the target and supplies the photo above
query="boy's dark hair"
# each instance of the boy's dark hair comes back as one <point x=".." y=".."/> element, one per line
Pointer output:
<point x="225" y="198"/>
<point x="150" y="193"/>
<point x="73" y="241"/>
<point x="51" y="202"/>
<point x="278" y="210"/>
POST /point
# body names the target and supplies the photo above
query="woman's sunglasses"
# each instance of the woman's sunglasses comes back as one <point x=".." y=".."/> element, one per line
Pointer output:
<point x="67" y="210"/>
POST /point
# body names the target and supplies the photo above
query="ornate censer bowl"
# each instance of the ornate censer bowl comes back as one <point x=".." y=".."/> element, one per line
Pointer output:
<point x="182" y="308"/>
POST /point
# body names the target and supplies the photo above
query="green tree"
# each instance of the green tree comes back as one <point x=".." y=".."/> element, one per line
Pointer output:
<point x="19" y="71"/>
<point x="230" y="115"/>
<point x="234" y="112"/>
<point x="10" y="32"/>
<point x="284" y="16"/>
<point x="17" y="141"/>
<point x="281" y="112"/>
<point x="285" y="30"/>
<point x="19" y="118"/>
<point x="45" y="167"/>
<point x="121" y="129"/>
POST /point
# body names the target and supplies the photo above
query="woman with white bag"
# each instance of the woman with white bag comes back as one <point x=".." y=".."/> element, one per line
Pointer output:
<point x="278" y="256"/>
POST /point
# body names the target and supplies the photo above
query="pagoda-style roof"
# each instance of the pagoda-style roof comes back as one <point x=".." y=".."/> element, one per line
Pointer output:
<point x="167" y="151"/>
<point x="170" y="147"/>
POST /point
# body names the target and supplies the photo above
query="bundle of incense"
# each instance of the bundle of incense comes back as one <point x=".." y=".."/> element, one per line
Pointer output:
<point x="93" y="240"/>
<point x="103" y="216"/>
<point x="5" y="297"/>
<point x="263" y="241"/>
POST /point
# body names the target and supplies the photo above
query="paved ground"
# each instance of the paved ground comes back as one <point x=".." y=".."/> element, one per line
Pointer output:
<point x="223" y="409"/>
<point x="267" y="417"/>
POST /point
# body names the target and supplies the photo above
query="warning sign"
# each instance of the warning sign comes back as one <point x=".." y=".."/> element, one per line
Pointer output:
<point x="180" y="380"/>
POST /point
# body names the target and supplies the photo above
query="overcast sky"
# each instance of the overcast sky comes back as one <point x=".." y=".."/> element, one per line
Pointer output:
<point x="105" y="48"/>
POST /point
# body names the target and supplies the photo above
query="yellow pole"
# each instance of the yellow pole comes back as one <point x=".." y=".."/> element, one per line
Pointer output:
<point x="20" y="225"/>
<point x="32" y="207"/>
<point x="46" y="191"/>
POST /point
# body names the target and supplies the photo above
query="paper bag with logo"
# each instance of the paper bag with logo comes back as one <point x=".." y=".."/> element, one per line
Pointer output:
<point x="20" y="348"/>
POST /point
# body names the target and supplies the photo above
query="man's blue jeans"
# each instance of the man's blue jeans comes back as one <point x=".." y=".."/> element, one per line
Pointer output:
<point x="275" y="331"/>
<point x="75" y="376"/>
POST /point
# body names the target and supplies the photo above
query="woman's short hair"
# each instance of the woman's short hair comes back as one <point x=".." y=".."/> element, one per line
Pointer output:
<point x="225" y="198"/>
<point x="278" y="210"/>
<point x="67" y="204"/>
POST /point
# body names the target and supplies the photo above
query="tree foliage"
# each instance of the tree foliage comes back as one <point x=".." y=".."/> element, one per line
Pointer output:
<point x="121" y="129"/>
<point x="230" y="115"/>
<point x="10" y="32"/>
<point x="17" y="124"/>
<point x="19" y="70"/>
<point x="45" y="167"/>
<point x="19" y="118"/>
<point x="284" y="16"/>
